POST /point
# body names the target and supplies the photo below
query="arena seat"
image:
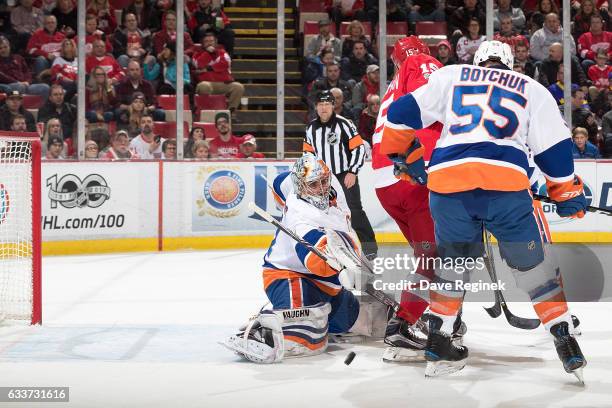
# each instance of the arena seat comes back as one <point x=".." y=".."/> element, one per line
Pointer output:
<point x="430" y="28"/>
<point x="169" y="102"/>
<point x="33" y="101"/>
<point x="167" y="130"/>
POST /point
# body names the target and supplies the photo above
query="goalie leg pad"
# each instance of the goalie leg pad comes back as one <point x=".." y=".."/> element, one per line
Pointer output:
<point x="305" y="329"/>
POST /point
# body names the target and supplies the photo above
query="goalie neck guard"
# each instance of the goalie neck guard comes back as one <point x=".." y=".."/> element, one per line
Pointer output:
<point x="311" y="181"/>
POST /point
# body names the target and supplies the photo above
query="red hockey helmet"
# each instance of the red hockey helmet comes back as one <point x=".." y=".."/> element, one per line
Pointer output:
<point x="406" y="47"/>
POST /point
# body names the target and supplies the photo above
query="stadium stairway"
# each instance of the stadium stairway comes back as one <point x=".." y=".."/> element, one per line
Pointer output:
<point x="254" y="65"/>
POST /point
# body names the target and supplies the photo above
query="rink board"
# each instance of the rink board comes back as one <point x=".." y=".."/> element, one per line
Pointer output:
<point x="147" y="205"/>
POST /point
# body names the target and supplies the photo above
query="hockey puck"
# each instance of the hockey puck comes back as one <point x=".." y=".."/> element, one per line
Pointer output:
<point x="349" y="358"/>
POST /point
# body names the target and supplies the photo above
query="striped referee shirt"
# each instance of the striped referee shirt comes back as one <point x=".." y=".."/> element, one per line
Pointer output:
<point x="337" y="143"/>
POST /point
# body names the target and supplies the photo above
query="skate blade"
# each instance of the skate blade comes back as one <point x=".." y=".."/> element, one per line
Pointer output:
<point x="579" y="375"/>
<point x="402" y="355"/>
<point x="440" y="368"/>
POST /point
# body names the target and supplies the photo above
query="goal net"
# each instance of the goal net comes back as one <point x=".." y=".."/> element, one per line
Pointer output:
<point x="20" y="232"/>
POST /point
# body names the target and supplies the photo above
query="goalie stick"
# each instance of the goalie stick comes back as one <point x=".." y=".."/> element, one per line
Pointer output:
<point x="599" y="210"/>
<point x="379" y="295"/>
<point x="500" y="303"/>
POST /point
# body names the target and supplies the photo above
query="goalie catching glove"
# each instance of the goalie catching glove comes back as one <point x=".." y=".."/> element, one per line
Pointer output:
<point x="410" y="166"/>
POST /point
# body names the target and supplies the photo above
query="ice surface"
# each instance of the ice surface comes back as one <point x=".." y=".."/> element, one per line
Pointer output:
<point x="141" y="330"/>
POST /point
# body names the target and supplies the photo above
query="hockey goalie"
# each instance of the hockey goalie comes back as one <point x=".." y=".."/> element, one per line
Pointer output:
<point x="310" y="297"/>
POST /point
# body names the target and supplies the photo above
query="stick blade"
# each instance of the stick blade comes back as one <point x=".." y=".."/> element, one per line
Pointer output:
<point x="493" y="311"/>
<point x="521" y="322"/>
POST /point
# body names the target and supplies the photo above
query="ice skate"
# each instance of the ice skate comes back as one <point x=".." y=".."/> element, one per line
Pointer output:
<point x="406" y="342"/>
<point x="568" y="350"/>
<point x="442" y="354"/>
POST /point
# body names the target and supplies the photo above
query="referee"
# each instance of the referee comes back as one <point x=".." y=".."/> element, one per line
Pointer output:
<point x="333" y="139"/>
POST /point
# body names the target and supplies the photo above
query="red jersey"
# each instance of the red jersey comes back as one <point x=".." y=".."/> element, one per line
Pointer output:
<point x="600" y="76"/>
<point x="413" y="74"/>
<point x="225" y="150"/>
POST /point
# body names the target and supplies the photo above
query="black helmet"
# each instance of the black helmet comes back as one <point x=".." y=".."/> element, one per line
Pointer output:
<point x="326" y="96"/>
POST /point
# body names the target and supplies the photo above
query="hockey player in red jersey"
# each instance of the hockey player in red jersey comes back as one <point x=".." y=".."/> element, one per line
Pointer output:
<point x="407" y="203"/>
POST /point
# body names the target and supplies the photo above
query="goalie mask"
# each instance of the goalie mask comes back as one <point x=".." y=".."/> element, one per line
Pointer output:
<point x="312" y="181"/>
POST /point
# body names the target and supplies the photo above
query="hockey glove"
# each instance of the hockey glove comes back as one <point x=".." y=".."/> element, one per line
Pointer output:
<point x="573" y="207"/>
<point x="410" y="166"/>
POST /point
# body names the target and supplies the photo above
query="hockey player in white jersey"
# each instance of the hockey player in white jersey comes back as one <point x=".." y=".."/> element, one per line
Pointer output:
<point x="478" y="178"/>
<point x="309" y="297"/>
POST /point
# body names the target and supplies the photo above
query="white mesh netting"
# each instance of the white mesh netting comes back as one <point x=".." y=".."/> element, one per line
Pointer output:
<point x="16" y="261"/>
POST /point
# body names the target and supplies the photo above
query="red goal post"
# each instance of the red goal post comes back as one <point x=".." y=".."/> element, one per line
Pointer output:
<point x="20" y="228"/>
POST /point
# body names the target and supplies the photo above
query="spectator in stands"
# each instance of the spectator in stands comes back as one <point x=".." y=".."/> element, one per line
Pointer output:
<point x="445" y="55"/>
<point x="318" y="69"/>
<point x="367" y="119"/>
<point x="582" y="115"/>
<point x="369" y="85"/>
<point x="582" y="19"/>
<point x="92" y="34"/>
<point x="459" y="20"/>
<point x="606" y="129"/>
<point x="201" y="150"/>
<point x="131" y="42"/>
<point x="14" y="106"/>
<point x="15" y="74"/>
<point x="120" y="147"/>
<point x="18" y="123"/>
<point x="356" y="32"/>
<point x="99" y="58"/>
<point x="225" y="145"/>
<point x="248" y="148"/>
<point x="543" y="8"/>
<point x="325" y="40"/>
<point x="45" y="44"/>
<point x="504" y="8"/>
<point x="600" y="74"/>
<point x="590" y="43"/>
<point x="168" y="35"/>
<point x="549" y="67"/>
<point x="506" y="34"/>
<point x="344" y="10"/>
<point x="582" y="148"/>
<point x="167" y="65"/>
<point x="522" y="59"/>
<point x="196" y="133"/>
<point x="169" y="150"/>
<point x="100" y="97"/>
<point x="64" y="69"/>
<point x="424" y="10"/>
<point x="130" y="85"/>
<point x="55" y="146"/>
<point x="557" y="89"/>
<point x="207" y="18"/>
<point x="147" y="145"/>
<point x="341" y="108"/>
<point x="213" y="66"/>
<point x="550" y="33"/>
<point x="66" y="16"/>
<point x="332" y="80"/>
<point x="100" y="136"/>
<point x="105" y="14"/>
<point x="57" y="107"/>
<point x="395" y="12"/>
<point x="354" y="66"/>
<point x="468" y="44"/>
<point x="148" y="17"/>
<point x="91" y="150"/>
<point x="130" y="117"/>
<point x="25" y="19"/>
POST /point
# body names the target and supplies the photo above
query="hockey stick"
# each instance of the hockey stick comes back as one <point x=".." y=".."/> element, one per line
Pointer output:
<point x="590" y="208"/>
<point x="500" y="303"/>
<point x="379" y="295"/>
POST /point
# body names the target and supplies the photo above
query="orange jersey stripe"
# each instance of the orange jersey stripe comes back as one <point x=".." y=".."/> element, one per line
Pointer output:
<point x="270" y="275"/>
<point x="355" y="142"/>
<point x="471" y="175"/>
<point x="317" y="265"/>
<point x="305" y="343"/>
<point x="396" y="140"/>
<point x="551" y="309"/>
